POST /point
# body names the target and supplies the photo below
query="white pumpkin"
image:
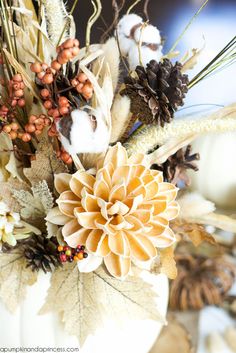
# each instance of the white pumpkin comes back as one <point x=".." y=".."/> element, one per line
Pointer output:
<point x="216" y="178"/>
<point x="27" y="329"/>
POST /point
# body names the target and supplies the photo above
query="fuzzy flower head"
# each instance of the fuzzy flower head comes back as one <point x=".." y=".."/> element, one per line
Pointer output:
<point x="8" y="222"/>
<point x="120" y="214"/>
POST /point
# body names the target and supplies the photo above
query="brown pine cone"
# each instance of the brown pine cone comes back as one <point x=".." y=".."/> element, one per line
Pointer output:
<point x="157" y="91"/>
<point x="201" y="281"/>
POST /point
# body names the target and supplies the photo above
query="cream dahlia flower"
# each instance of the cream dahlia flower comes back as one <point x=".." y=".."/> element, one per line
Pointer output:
<point x="121" y="214"/>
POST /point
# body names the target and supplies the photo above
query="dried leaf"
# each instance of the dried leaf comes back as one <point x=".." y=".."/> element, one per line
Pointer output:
<point x="85" y="300"/>
<point x="35" y="204"/>
<point x="45" y="166"/>
<point x="195" y="232"/>
<point x="190" y="63"/>
<point x="168" y="264"/>
<point x="14" y="279"/>
<point x="6" y="193"/>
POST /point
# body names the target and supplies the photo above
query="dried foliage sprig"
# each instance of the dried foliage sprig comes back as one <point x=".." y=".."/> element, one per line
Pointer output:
<point x="97" y="6"/>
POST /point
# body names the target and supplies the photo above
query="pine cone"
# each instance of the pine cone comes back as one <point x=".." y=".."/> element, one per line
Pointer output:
<point x="201" y="281"/>
<point x="175" y="167"/>
<point x="41" y="253"/>
<point x="156" y="92"/>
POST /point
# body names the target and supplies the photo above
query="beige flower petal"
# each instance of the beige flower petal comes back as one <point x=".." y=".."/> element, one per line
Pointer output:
<point x="80" y="180"/>
<point x="159" y="224"/>
<point x="118" y="266"/>
<point x="122" y="173"/>
<point x="118" y="208"/>
<point x="143" y="215"/>
<point x="62" y="181"/>
<point x="101" y="189"/>
<point x="67" y="202"/>
<point x="104" y="206"/>
<point x="104" y="225"/>
<point x="117" y="155"/>
<point x="137" y="158"/>
<point x="119" y="222"/>
<point x="136" y="224"/>
<point x="118" y="193"/>
<point x="119" y="244"/>
<point x="171" y="211"/>
<point x="87" y="219"/>
<point x="135" y="188"/>
<point x="157" y="174"/>
<point x="159" y="205"/>
<point x="134" y="202"/>
<point x="151" y="187"/>
<point x="73" y="234"/>
<point x="141" y="247"/>
<point x="89" y="202"/>
<point x="97" y="243"/>
<point x="55" y="216"/>
<point x="105" y="174"/>
<point x="167" y="238"/>
<point x="169" y="190"/>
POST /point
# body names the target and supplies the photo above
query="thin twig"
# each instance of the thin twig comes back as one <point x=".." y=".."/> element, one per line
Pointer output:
<point x="140" y="43"/>
<point x="187" y="27"/>
<point x="121" y="56"/>
<point x="145" y="9"/>
<point x="93" y="18"/>
<point x="39" y="31"/>
<point x="132" y="6"/>
<point x="113" y="25"/>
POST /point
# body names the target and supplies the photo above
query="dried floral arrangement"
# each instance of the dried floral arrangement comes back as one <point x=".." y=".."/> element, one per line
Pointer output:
<point x="91" y="159"/>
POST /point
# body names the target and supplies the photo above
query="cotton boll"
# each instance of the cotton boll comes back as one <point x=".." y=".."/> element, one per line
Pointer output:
<point x="146" y="54"/>
<point x="84" y="133"/>
<point x="151" y="48"/>
<point x="124" y="29"/>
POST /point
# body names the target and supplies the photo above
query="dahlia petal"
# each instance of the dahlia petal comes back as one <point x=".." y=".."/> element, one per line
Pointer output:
<point x="143" y="215"/>
<point x="117" y="155"/>
<point x="117" y="193"/>
<point x="171" y="211"/>
<point x="73" y="234"/>
<point x="168" y="190"/>
<point x="123" y="172"/>
<point x="89" y="202"/>
<point x="141" y="248"/>
<point x="55" y="216"/>
<point x="157" y="174"/>
<point x="118" y="208"/>
<point x="138" y="171"/>
<point x="158" y="224"/>
<point x="119" y="244"/>
<point x="62" y="181"/>
<point x="90" y="264"/>
<point x="104" y="207"/>
<point x="159" y="205"/>
<point x="104" y="225"/>
<point x="118" y="266"/>
<point x="134" y="202"/>
<point x="135" y="188"/>
<point x="136" y="224"/>
<point x="119" y="222"/>
<point x="151" y="186"/>
<point x="101" y="189"/>
<point x="97" y="243"/>
<point x="80" y="180"/>
<point x="105" y="174"/>
<point x="87" y="219"/>
<point x="67" y="202"/>
<point x="167" y="238"/>
<point x="137" y="158"/>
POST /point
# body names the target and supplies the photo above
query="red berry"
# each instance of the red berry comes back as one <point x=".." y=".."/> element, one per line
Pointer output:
<point x="63" y="258"/>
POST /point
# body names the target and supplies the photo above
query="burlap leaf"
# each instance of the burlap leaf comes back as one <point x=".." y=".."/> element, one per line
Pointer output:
<point x="193" y="231"/>
<point x="45" y="166"/>
<point x="84" y="300"/>
<point x="168" y="264"/>
<point x="6" y="193"/>
<point x="14" y="279"/>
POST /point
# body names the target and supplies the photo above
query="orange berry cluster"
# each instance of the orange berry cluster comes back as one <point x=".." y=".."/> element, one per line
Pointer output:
<point x="16" y="90"/>
<point x="44" y="72"/>
<point x="68" y="254"/>
<point x="65" y="157"/>
<point x="67" y="51"/>
<point x="83" y="85"/>
<point x="12" y="130"/>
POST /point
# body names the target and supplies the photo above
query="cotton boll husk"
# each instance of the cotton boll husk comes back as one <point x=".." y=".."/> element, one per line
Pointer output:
<point x="111" y="57"/>
<point x="146" y="55"/>
<point x="124" y="28"/>
<point x="120" y="117"/>
<point x="194" y="205"/>
<point x="83" y="137"/>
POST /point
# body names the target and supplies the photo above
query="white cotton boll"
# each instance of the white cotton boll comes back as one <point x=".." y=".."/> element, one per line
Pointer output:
<point x="146" y="54"/>
<point x="150" y="34"/>
<point x="124" y="28"/>
<point x="84" y="135"/>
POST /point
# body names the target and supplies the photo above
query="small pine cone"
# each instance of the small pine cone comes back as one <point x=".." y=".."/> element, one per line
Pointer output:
<point x="157" y="92"/>
<point x="41" y="253"/>
<point x="201" y="281"/>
